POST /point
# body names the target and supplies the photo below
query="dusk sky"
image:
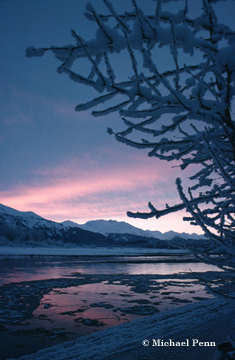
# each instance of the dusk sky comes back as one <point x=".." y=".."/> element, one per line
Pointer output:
<point x="58" y="163"/>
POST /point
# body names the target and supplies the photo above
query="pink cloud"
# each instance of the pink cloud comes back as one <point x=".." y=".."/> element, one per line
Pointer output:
<point x="67" y="185"/>
<point x="80" y="195"/>
<point x="80" y="190"/>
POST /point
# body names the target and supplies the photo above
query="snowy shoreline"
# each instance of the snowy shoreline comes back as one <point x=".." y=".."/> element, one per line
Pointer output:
<point x="89" y="250"/>
<point x="207" y="321"/>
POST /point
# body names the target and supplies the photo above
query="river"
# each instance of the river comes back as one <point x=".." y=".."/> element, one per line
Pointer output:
<point x="47" y="299"/>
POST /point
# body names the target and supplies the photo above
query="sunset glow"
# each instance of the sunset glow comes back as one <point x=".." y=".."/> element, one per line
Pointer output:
<point x="59" y="163"/>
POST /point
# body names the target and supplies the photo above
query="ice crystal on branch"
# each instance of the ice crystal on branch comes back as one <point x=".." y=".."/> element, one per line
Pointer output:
<point x="176" y="100"/>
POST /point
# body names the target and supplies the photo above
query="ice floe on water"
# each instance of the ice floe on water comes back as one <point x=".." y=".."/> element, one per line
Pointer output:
<point x="204" y="323"/>
<point x="39" y="313"/>
<point x="18" y="301"/>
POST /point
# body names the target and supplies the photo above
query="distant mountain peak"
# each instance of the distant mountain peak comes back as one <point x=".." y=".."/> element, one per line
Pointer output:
<point x="107" y="227"/>
<point x="10" y="211"/>
<point x="26" y="219"/>
<point x="30" y="220"/>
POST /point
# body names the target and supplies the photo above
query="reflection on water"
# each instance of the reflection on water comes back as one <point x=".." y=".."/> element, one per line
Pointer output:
<point x="82" y="295"/>
<point x="25" y="268"/>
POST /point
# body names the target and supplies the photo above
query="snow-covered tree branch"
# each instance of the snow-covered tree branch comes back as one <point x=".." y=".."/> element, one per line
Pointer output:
<point x="177" y="101"/>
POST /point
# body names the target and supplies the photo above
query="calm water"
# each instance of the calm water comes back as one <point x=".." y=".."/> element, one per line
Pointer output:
<point x="26" y="268"/>
<point x="51" y="299"/>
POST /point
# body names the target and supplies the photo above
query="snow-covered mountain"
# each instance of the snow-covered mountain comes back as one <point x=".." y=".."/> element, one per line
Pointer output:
<point x="28" y="219"/>
<point x="108" y="227"/>
<point x="26" y="227"/>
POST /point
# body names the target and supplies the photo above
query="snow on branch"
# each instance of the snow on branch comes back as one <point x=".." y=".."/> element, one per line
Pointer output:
<point x="177" y="99"/>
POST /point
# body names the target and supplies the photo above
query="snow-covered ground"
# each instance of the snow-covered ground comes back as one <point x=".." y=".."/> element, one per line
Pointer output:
<point x="197" y="329"/>
<point x="86" y="250"/>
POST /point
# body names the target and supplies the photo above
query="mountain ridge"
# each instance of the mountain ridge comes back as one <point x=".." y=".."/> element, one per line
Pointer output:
<point x="107" y="227"/>
<point x="27" y="227"/>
